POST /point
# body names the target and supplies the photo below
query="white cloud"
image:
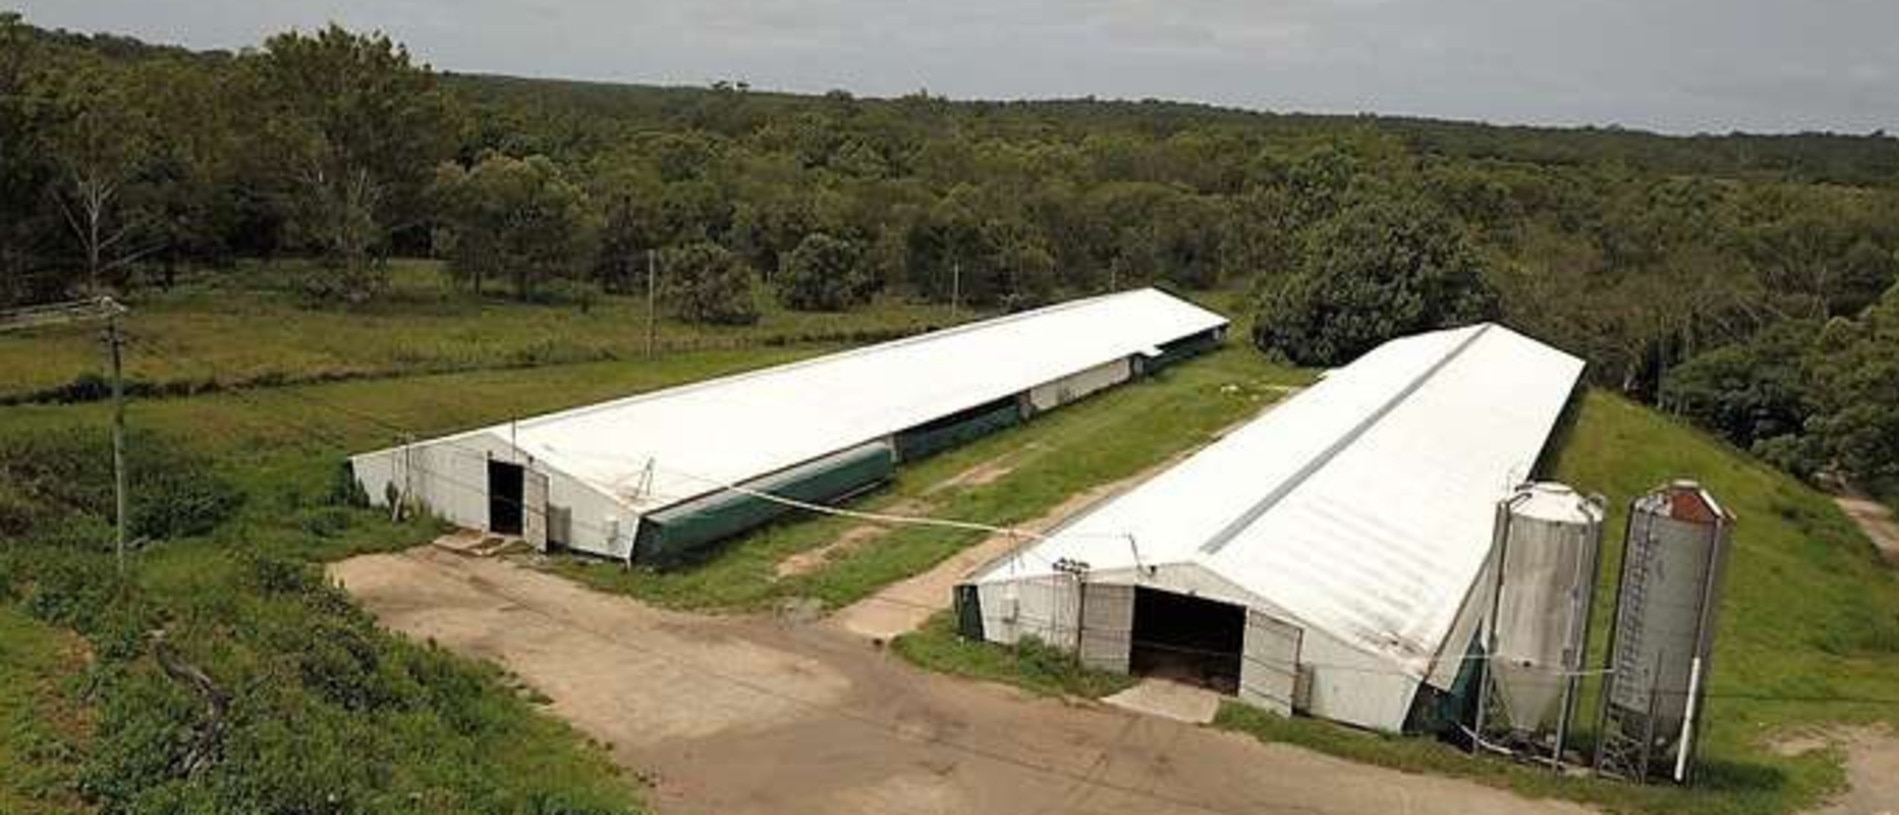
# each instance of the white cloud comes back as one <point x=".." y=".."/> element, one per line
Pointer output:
<point x="1679" y="65"/>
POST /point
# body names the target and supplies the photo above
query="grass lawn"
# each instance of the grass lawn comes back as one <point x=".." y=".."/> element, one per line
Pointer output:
<point x="43" y="722"/>
<point x="300" y="424"/>
<point x="1108" y="437"/>
<point x="246" y="325"/>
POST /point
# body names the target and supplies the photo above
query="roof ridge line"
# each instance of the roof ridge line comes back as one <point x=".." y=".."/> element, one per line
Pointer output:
<point x="861" y="350"/>
<point x="1245" y="519"/>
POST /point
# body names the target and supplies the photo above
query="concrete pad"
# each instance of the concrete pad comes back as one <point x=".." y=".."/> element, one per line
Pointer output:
<point x="1169" y="700"/>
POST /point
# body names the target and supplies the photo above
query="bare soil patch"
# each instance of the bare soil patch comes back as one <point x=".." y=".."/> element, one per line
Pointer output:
<point x="1876" y="520"/>
<point x="747" y="716"/>
<point x="984" y="473"/>
<point x="1872" y="767"/>
<point x="902" y="607"/>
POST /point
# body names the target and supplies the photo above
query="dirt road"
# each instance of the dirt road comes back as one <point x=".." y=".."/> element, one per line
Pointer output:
<point x="745" y="715"/>
<point x="1876" y="521"/>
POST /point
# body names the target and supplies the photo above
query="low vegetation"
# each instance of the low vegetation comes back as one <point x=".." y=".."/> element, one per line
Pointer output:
<point x="44" y="721"/>
<point x="248" y="327"/>
<point x="228" y="675"/>
<point x="1030" y="664"/>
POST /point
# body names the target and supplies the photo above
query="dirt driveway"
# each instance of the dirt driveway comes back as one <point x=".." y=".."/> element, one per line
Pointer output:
<point x="1876" y="521"/>
<point x="736" y="715"/>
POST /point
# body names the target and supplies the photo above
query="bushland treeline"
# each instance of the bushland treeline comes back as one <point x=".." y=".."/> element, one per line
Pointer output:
<point x="1744" y="281"/>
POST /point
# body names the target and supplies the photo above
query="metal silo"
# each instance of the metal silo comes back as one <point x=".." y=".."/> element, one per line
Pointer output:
<point x="1536" y="634"/>
<point x="1659" y="649"/>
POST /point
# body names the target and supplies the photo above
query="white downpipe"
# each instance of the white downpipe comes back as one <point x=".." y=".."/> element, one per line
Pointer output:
<point x="1688" y="721"/>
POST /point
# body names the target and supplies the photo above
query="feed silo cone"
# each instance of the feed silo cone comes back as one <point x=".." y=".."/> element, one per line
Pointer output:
<point x="1660" y="648"/>
<point x="1545" y="551"/>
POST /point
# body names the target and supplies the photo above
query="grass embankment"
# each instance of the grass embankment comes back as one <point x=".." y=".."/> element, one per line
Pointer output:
<point x="44" y="723"/>
<point x="248" y="326"/>
<point x="1108" y="437"/>
<point x="310" y="707"/>
<point x="1807" y="639"/>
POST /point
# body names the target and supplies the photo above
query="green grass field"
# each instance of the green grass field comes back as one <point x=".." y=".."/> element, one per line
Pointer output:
<point x="43" y="723"/>
<point x="247" y="326"/>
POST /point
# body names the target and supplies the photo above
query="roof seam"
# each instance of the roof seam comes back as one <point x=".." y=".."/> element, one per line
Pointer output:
<point x="1227" y="533"/>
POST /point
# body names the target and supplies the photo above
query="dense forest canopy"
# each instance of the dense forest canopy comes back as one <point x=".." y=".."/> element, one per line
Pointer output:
<point x="1746" y="281"/>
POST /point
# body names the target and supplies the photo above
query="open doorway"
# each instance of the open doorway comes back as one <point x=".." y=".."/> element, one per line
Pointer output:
<point x="505" y="497"/>
<point x="1187" y="639"/>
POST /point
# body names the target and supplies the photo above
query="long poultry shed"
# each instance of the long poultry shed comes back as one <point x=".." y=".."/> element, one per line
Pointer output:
<point x="1325" y="557"/>
<point x="657" y="477"/>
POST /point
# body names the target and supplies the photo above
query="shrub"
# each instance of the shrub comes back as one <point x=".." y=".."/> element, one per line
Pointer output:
<point x="826" y="274"/>
<point x="1377" y="270"/>
<point x="706" y="283"/>
<point x="1750" y="392"/>
<point x="54" y="482"/>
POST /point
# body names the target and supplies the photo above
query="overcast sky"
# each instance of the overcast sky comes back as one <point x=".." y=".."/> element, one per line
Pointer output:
<point x="1672" y="65"/>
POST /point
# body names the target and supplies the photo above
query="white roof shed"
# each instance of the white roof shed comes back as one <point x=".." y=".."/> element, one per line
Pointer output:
<point x="614" y="462"/>
<point x="1359" y="511"/>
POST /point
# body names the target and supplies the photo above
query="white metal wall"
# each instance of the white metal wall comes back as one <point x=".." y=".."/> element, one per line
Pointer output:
<point x="1340" y="683"/>
<point x="449" y="478"/>
<point x="1107" y="628"/>
<point x="1042" y="608"/>
<point x="1051" y="395"/>
<point x="1269" y="668"/>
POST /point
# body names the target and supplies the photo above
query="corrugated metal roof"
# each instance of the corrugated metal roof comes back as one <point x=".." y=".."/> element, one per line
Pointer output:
<point x="736" y="428"/>
<point x="1362" y="506"/>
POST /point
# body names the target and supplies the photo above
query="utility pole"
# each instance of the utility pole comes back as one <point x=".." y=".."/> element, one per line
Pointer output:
<point x="652" y="323"/>
<point x="956" y="288"/>
<point x="115" y="342"/>
<point x="83" y="311"/>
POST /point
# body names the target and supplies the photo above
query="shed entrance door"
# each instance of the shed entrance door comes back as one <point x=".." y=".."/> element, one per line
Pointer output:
<point x="1107" y="623"/>
<point x="1188" y="639"/>
<point x="505" y="497"/>
<point x="534" y="509"/>
<point x="1269" y="675"/>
